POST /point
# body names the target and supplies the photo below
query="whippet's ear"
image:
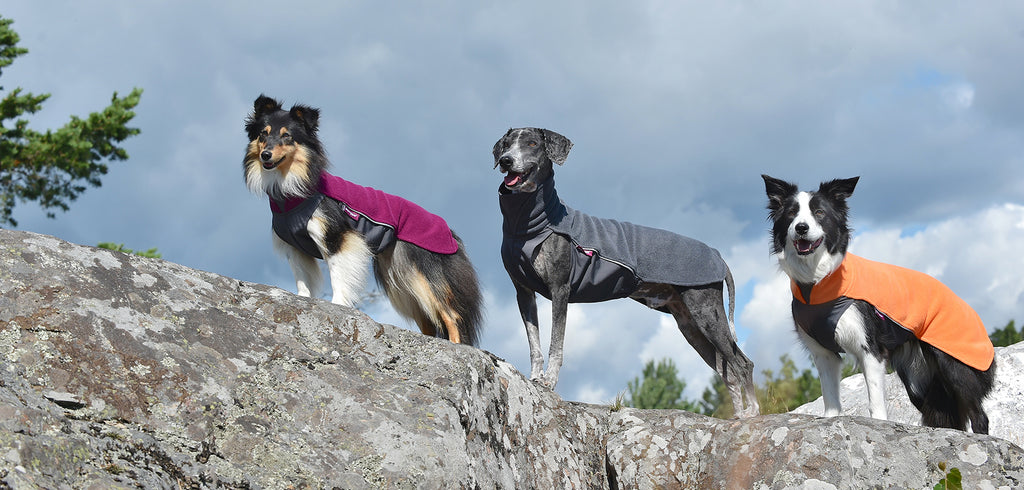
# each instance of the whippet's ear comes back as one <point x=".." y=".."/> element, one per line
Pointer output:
<point x="309" y="116"/>
<point x="839" y="189"/>
<point x="497" y="147"/>
<point x="556" y="146"/>
<point x="777" y="190"/>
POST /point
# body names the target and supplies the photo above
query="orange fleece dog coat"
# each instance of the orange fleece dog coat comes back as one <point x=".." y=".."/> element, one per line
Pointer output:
<point x="913" y="300"/>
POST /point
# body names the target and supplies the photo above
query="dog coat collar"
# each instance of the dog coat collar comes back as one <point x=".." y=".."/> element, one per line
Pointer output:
<point x="611" y="257"/>
<point x="380" y="216"/>
<point x="914" y="301"/>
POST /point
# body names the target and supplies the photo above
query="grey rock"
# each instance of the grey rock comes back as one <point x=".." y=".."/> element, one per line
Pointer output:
<point x="125" y="372"/>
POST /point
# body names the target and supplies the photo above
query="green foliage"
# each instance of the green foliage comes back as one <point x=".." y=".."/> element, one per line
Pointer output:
<point x="119" y="247"/>
<point x="1007" y="335"/>
<point x="789" y="389"/>
<point x="619" y="402"/>
<point x="952" y="481"/>
<point x="53" y="167"/>
<point x="715" y="401"/>
<point x="779" y="393"/>
<point x="660" y="387"/>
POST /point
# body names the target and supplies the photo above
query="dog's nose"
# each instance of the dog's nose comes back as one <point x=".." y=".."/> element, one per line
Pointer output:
<point x="802" y="228"/>
<point x="266" y="155"/>
<point x="505" y="162"/>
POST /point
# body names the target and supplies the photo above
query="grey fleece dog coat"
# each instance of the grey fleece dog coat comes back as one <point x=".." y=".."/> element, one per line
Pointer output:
<point x="611" y="258"/>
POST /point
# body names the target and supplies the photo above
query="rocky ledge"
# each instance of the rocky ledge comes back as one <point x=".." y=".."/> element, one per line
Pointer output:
<point x="124" y="372"/>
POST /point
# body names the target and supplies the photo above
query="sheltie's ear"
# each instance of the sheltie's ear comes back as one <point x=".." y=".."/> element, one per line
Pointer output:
<point x="838" y="189"/>
<point x="309" y="116"/>
<point x="777" y="190"/>
<point x="264" y="105"/>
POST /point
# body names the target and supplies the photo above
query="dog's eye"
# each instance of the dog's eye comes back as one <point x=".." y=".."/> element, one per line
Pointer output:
<point x="262" y="138"/>
<point x="531" y="144"/>
<point x="286" y="138"/>
<point x="819" y="213"/>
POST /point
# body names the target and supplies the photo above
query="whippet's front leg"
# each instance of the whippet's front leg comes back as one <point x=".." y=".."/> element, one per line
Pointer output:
<point x="527" y="301"/>
<point x="559" y="311"/>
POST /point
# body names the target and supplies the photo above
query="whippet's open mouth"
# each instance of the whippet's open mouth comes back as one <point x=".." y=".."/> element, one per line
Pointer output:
<point x="513" y="179"/>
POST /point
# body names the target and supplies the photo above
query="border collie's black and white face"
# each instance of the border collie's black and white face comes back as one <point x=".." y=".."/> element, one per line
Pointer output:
<point x="809" y="229"/>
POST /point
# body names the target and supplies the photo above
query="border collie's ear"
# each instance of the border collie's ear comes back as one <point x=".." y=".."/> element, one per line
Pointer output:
<point x="309" y="116"/>
<point x="777" y="191"/>
<point x="838" y="189"/>
<point x="264" y="105"/>
<point x="556" y="146"/>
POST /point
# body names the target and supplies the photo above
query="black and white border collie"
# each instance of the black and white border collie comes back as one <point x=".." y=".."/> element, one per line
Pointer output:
<point x="810" y="236"/>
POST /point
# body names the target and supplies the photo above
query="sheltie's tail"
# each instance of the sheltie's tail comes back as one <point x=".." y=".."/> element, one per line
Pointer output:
<point x="439" y="292"/>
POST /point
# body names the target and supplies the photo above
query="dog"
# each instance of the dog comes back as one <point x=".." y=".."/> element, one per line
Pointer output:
<point x="418" y="261"/>
<point x="876" y="312"/>
<point x="551" y="249"/>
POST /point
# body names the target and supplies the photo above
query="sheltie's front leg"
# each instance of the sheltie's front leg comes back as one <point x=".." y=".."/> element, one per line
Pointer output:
<point x="308" y="278"/>
<point x="347" y="256"/>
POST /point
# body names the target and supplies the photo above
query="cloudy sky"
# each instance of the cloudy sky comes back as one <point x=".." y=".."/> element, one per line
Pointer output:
<point x="674" y="108"/>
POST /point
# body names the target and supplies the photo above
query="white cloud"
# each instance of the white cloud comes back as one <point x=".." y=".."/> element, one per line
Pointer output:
<point x="959" y="96"/>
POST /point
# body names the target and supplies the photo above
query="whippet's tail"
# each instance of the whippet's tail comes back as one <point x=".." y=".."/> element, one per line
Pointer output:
<point x="730" y="284"/>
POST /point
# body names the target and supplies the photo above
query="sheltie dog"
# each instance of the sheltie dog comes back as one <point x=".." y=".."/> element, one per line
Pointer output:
<point x="876" y="312"/>
<point x="418" y="261"/>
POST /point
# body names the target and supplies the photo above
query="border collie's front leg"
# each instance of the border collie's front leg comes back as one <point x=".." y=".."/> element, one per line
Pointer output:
<point x="308" y="278"/>
<point x="527" y="301"/>
<point x="874" y="381"/>
<point x="829" y="365"/>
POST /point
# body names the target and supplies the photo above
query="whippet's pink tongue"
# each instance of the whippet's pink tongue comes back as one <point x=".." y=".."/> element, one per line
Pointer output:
<point x="512" y="179"/>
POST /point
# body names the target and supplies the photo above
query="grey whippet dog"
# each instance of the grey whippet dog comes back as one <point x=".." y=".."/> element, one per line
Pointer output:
<point x="570" y="257"/>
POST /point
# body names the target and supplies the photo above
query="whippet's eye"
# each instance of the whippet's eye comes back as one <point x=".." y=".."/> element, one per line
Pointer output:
<point x="531" y="144"/>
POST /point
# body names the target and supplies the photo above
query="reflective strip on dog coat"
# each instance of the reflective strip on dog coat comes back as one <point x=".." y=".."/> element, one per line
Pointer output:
<point x="610" y="259"/>
<point x="380" y="217"/>
<point x="916" y="302"/>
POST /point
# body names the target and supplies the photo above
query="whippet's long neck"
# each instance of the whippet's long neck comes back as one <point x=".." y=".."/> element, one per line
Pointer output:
<point x="529" y="213"/>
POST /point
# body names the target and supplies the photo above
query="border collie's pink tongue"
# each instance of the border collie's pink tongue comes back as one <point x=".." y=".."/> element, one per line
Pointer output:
<point x="804" y="247"/>
<point x="512" y="179"/>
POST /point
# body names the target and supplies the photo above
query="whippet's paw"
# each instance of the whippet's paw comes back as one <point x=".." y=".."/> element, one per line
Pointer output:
<point x="543" y="380"/>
